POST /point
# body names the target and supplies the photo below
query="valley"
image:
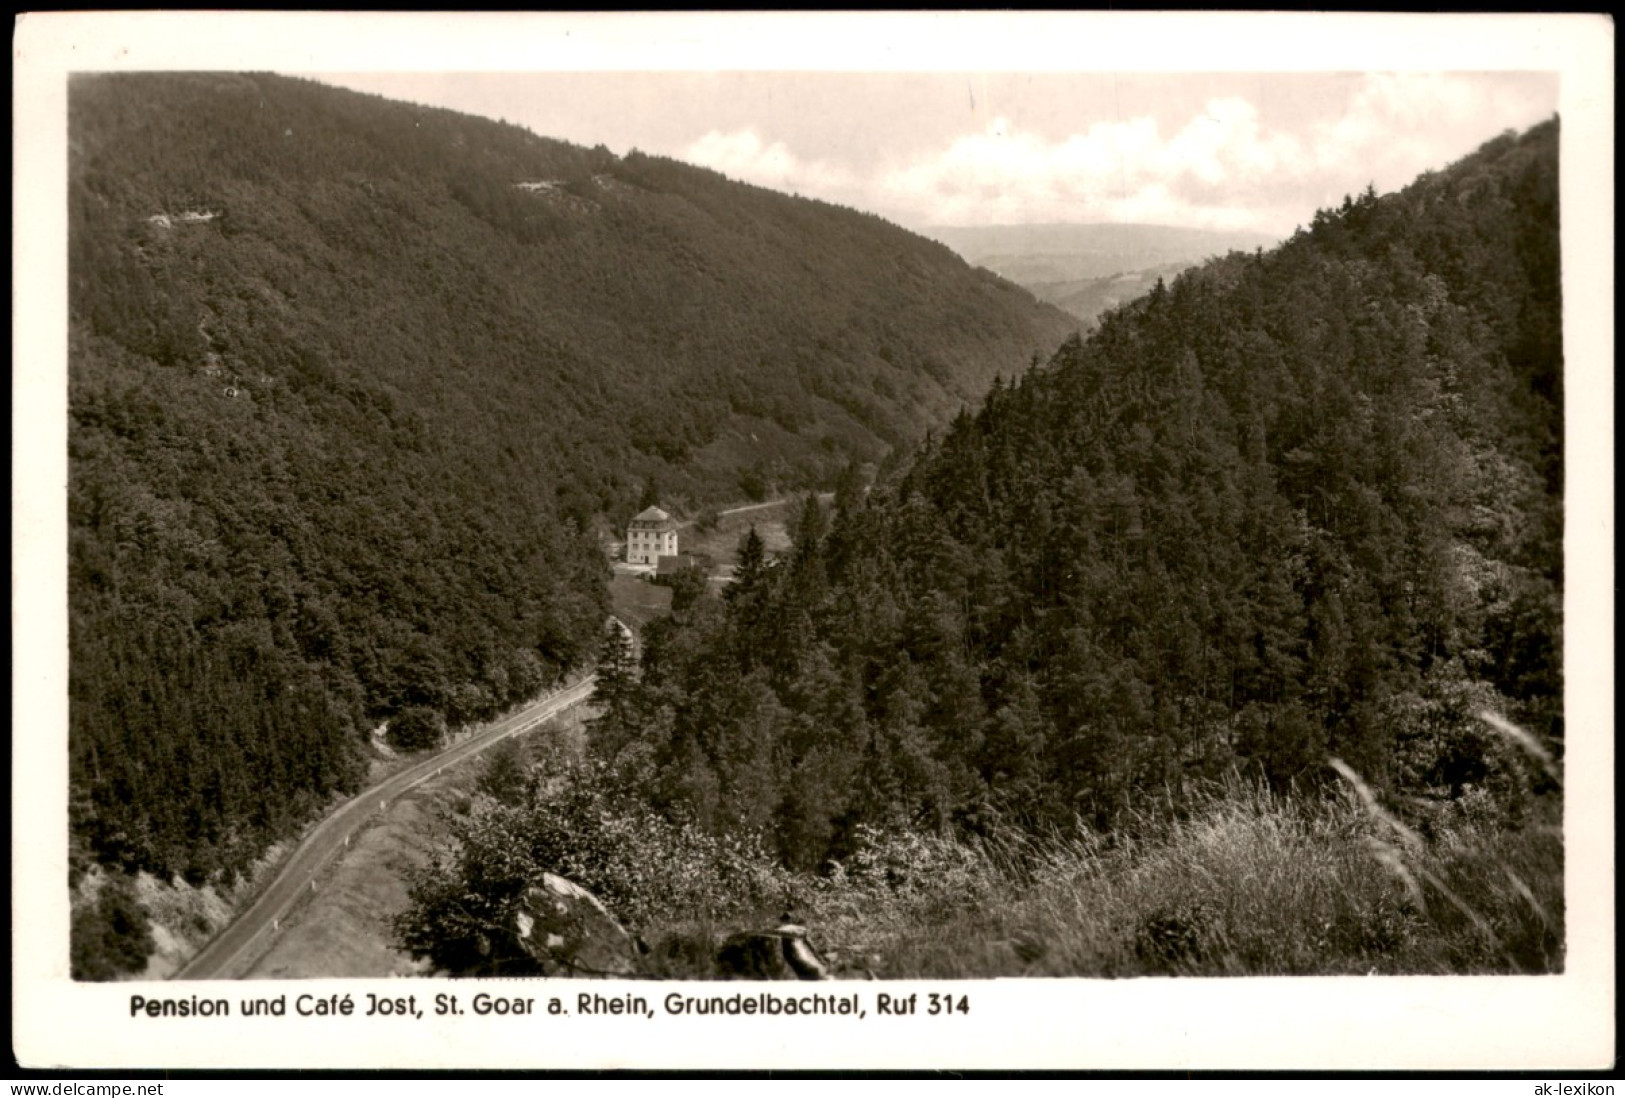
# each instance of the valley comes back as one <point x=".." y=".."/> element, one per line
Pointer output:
<point x="1101" y="600"/>
<point x="350" y="442"/>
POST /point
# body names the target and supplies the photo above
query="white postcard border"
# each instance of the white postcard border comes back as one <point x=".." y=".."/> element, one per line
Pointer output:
<point x="1351" y="1024"/>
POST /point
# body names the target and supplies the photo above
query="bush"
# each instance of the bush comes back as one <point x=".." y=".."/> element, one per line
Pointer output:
<point x="644" y="866"/>
<point x="752" y="483"/>
<point x="1172" y="937"/>
<point x="110" y="936"/>
<point x="503" y="777"/>
<point x="647" y="869"/>
<point x="1241" y="880"/>
<point x="416" y="728"/>
<point x="914" y="875"/>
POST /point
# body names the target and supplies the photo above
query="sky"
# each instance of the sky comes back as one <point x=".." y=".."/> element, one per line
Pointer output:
<point x="1233" y="151"/>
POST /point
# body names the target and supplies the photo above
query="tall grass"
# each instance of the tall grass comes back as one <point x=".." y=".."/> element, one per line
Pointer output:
<point x="1249" y="883"/>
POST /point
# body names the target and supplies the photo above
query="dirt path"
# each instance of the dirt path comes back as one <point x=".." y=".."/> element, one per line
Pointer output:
<point x="823" y="497"/>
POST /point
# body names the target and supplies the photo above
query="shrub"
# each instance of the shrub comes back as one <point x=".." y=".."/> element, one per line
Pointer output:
<point x="644" y="866"/>
<point x="1172" y="937"/>
<point x="416" y="728"/>
<point x="110" y="936"/>
<point x="503" y="777"/>
<point x="647" y="869"/>
<point x="752" y="483"/>
<point x="1241" y="880"/>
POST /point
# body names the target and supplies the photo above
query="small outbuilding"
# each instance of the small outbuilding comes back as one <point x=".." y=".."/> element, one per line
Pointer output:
<point x="675" y="565"/>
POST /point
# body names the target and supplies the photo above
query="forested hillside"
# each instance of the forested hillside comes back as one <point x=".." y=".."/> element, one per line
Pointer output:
<point x="352" y="385"/>
<point x="1295" y="505"/>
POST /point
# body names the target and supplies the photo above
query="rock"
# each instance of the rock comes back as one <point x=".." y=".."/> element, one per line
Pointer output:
<point x="567" y="931"/>
<point x="782" y="953"/>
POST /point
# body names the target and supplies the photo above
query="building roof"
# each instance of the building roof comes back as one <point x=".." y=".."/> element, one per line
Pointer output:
<point x="653" y="519"/>
<point x="671" y="565"/>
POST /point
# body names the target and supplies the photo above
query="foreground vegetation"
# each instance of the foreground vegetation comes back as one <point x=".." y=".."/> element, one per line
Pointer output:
<point x="1240" y="881"/>
<point x="1255" y="884"/>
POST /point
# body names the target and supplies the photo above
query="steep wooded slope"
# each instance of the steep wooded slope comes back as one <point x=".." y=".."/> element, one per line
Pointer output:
<point x="646" y="316"/>
<point x="352" y="382"/>
<point x="1298" y="504"/>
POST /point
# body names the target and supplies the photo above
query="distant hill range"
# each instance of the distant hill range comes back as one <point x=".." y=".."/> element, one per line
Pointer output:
<point x="1087" y="269"/>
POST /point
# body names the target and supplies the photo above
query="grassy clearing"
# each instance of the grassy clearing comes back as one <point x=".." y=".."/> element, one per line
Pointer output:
<point x="718" y="541"/>
<point x="636" y="601"/>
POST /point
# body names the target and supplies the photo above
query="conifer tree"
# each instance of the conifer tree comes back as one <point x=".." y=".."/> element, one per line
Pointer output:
<point x="615" y="692"/>
<point x="751" y="566"/>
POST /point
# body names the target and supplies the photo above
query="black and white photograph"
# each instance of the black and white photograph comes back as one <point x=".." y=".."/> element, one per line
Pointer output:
<point x="635" y="541"/>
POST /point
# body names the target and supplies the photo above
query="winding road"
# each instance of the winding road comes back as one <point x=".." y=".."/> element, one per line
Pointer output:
<point x="229" y="954"/>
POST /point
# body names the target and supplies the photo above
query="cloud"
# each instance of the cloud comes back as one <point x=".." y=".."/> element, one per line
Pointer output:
<point x="743" y="155"/>
<point x="1224" y="168"/>
<point x="1228" y="165"/>
<point x="1398" y="125"/>
<point x="1113" y="171"/>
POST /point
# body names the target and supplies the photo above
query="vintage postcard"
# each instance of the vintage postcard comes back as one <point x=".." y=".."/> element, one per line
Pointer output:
<point x="792" y="541"/>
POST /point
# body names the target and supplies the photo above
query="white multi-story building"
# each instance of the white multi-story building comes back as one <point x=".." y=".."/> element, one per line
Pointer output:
<point x="650" y="536"/>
